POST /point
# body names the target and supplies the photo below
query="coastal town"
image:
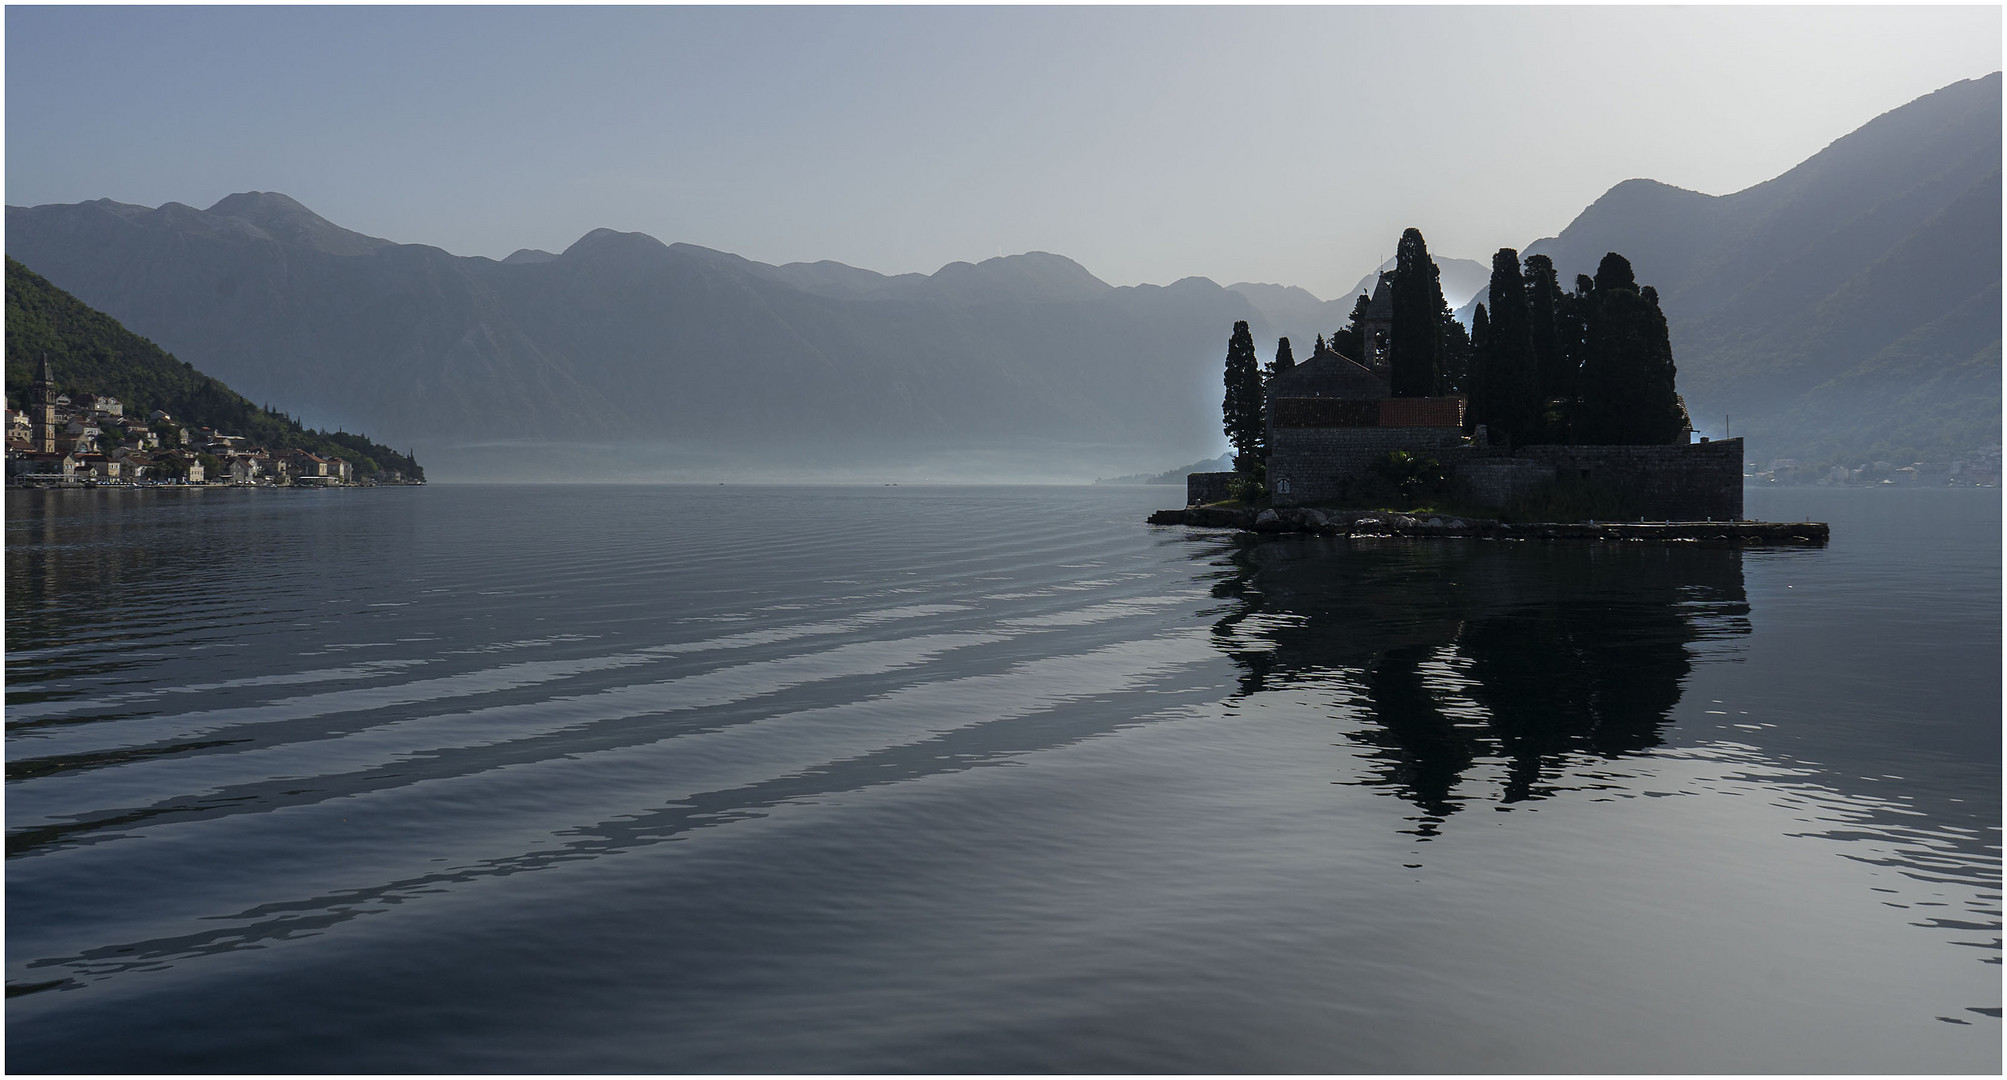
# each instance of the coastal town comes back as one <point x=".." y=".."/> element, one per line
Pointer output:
<point x="1978" y="468"/>
<point x="89" y="441"/>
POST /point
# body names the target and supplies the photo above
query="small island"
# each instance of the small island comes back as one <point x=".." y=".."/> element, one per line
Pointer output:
<point x="1554" y="418"/>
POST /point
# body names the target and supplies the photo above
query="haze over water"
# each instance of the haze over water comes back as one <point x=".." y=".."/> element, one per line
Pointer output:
<point x="988" y="779"/>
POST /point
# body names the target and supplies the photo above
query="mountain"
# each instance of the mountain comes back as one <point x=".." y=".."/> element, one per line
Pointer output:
<point x="1293" y="312"/>
<point x="1851" y="306"/>
<point x="625" y="356"/>
<point x="89" y="351"/>
<point x="1222" y="463"/>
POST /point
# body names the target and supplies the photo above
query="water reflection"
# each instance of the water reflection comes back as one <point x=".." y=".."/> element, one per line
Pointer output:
<point x="1463" y="652"/>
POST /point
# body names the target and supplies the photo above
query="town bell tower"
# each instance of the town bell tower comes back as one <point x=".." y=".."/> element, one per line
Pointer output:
<point x="1376" y="328"/>
<point x="42" y="408"/>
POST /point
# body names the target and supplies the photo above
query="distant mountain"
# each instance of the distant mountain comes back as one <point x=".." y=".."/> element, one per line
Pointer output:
<point x="640" y="356"/>
<point x="1222" y="463"/>
<point x="88" y="351"/>
<point x="1850" y="307"/>
<point x="1293" y="312"/>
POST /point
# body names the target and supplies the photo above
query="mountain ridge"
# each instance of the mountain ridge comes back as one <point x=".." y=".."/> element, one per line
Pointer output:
<point x="624" y="341"/>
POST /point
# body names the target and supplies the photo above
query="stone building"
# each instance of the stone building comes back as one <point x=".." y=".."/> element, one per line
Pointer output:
<point x="1329" y="420"/>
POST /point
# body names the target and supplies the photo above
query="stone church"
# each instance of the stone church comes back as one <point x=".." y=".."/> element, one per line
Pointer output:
<point x="1331" y="418"/>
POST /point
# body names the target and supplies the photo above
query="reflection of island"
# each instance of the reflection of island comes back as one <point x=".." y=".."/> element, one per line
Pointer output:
<point x="1525" y="654"/>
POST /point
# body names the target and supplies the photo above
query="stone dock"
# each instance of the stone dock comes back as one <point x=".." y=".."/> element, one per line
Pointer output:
<point x="1363" y="523"/>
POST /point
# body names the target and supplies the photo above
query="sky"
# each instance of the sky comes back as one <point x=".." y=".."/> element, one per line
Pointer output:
<point x="1287" y="145"/>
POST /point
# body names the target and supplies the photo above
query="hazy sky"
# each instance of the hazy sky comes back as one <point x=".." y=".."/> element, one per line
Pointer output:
<point x="1265" y="144"/>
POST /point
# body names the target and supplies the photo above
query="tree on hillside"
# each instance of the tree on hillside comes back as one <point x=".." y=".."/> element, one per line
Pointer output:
<point x="1414" y="359"/>
<point x="1241" y="409"/>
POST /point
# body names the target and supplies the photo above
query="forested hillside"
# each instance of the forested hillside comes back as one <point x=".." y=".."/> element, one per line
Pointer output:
<point x="90" y="351"/>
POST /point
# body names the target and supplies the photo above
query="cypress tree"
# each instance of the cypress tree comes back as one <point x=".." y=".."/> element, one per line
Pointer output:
<point x="1574" y="323"/>
<point x="1241" y="409"/>
<point x="1625" y="379"/>
<point x="1614" y="272"/>
<point x="1509" y="395"/>
<point x="1457" y="356"/>
<point x="1415" y="358"/>
<point x="1473" y="384"/>
<point x="1284" y="359"/>
<point x="1662" y="420"/>
<point x="1544" y="300"/>
<point x="1349" y="342"/>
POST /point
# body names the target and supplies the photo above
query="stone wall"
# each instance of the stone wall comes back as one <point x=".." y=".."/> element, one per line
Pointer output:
<point x="1207" y="487"/>
<point x="1497" y="481"/>
<point x="1682" y="482"/>
<point x="1322" y="465"/>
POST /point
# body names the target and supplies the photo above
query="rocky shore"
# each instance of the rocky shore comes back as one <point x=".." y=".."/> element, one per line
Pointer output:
<point x="1363" y="523"/>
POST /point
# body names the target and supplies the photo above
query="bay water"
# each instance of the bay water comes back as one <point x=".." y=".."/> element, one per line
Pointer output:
<point x="683" y="778"/>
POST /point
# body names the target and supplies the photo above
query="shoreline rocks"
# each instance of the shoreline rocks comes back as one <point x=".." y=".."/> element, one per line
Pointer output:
<point x="1365" y="523"/>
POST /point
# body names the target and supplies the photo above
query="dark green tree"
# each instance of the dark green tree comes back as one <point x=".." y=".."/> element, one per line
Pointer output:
<point x="1457" y="356"/>
<point x="1241" y="410"/>
<point x="1544" y="299"/>
<point x="1415" y="354"/>
<point x="1284" y="359"/>
<point x="1347" y="341"/>
<point x="1508" y="395"/>
<point x="1663" y="420"/>
<point x="1627" y="373"/>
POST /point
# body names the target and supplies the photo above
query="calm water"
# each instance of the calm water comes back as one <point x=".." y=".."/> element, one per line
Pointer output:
<point x="725" y="779"/>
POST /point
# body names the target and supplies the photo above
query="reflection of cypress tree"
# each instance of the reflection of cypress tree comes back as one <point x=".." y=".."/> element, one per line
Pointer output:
<point x="1429" y="752"/>
<point x="1569" y="651"/>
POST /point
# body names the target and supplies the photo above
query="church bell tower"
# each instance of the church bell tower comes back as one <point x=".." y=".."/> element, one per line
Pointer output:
<point x="42" y="408"/>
